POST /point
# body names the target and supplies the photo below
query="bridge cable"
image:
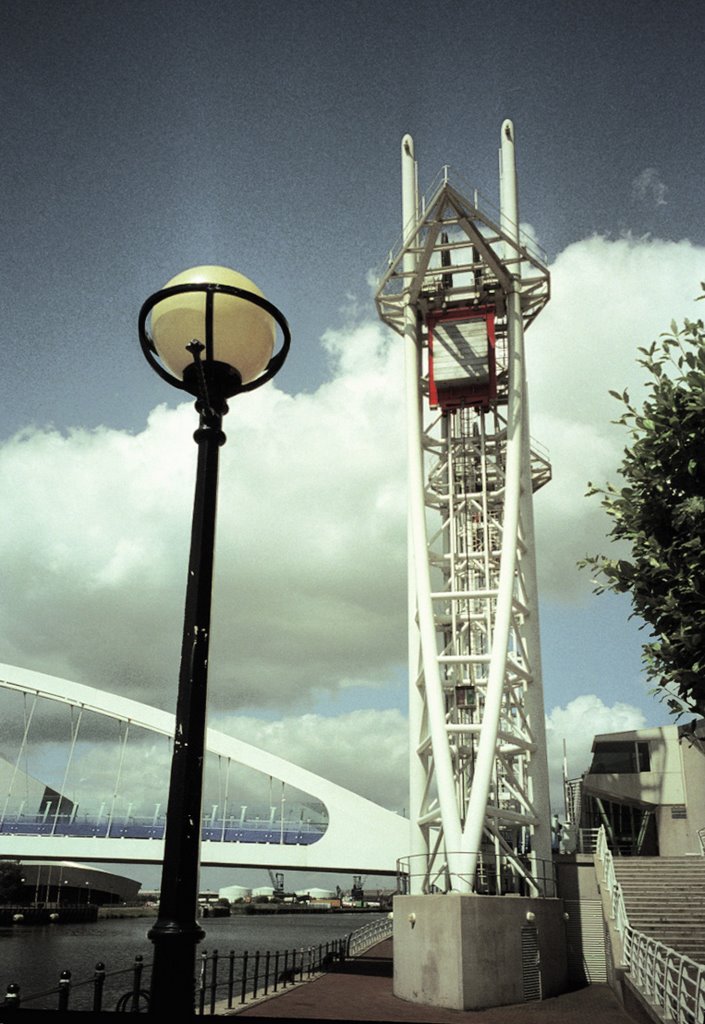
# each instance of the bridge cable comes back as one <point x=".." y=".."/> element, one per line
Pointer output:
<point x="74" y="737"/>
<point x="22" y="750"/>
<point x="118" y="776"/>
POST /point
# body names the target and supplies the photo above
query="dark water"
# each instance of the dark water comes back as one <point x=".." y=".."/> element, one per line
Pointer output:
<point x="34" y="956"/>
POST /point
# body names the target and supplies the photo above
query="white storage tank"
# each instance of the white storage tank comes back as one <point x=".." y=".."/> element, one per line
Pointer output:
<point x="232" y="893"/>
<point x="316" y="894"/>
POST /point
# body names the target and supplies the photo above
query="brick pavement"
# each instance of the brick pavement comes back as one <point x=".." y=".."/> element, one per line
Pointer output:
<point x="361" y="990"/>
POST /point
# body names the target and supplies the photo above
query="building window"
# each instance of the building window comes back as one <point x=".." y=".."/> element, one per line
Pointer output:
<point x="620" y="757"/>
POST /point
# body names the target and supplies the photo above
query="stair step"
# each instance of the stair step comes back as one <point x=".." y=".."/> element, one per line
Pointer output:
<point x="665" y="900"/>
<point x="669" y="911"/>
<point x="681" y="899"/>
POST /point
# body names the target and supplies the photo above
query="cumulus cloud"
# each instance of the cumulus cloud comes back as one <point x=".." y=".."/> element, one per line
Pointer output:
<point x="609" y="296"/>
<point x="571" y="729"/>
<point x="311" y="553"/>
<point x="120" y="770"/>
<point x="310" y="573"/>
<point x="648" y="187"/>
<point x="365" y="750"/>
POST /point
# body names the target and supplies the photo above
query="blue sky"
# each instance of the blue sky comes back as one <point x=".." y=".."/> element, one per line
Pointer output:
<point x="137" y="136"/>
<point x="142" y="138"/>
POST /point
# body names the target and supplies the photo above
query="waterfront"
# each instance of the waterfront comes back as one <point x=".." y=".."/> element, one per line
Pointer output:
<point x="34" y="956"/>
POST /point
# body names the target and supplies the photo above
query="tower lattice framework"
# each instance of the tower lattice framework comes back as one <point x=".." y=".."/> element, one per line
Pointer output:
<point x="461" y="289"/>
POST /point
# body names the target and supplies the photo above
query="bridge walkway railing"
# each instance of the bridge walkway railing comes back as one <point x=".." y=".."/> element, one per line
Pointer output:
<point x="248" y="832"/>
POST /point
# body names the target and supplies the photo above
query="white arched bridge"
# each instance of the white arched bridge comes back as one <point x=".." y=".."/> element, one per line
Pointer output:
<point x="307" y="822"/>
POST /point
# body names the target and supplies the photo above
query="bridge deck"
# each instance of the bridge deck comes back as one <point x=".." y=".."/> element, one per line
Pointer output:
<point x="361" y="989"/>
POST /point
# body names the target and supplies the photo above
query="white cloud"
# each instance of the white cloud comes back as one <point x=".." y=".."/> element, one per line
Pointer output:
<point x="608" y="298"/>
<point x="575" y="725"/>
<point x="311" y="557"/>
<point x="310" y="573"/>
<point x="365" y="751"/>
<point x="648" y="187"/>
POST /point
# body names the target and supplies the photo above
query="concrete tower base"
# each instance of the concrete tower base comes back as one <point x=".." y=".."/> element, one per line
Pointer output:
<point x="466" y="952"/>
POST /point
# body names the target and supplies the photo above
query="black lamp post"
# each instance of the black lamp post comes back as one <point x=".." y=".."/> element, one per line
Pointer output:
<point x="210" y="333"/>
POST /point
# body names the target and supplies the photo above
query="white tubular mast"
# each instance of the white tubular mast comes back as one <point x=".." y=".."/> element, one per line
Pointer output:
<point x="421" y="608"/>
<point x="461" y="289"/>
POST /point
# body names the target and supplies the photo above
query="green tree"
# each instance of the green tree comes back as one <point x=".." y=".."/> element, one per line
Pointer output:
<point x="10" y="881"/>
<point x="659" y="512"/>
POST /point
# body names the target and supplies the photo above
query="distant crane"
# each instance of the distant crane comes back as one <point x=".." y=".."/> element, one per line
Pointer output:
<point x="277" y="880"/>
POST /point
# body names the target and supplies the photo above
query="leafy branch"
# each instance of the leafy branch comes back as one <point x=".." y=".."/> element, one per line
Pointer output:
<point x="659" y="511"/>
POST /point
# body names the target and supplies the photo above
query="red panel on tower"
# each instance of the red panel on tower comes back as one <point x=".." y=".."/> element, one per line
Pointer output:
<point x="462" y="365"/>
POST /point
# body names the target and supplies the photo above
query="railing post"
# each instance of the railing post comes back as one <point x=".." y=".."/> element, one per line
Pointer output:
<point x="137" y="983"/>
<point x="12" y="997"/>
<point x="214" y="980"/>
<point x="243" y="986"/>
<point x="266" y="972"/>
<point x="64" y="989"/>
<point x="276" y="970"/>
<point x="98" y="986"/>
<point x="231" y="978"/>
<point x="255" y="978"/>
<point x="201" y="984"/>
<point x="700" y="994"/>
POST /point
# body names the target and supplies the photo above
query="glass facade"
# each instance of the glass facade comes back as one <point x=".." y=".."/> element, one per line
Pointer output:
<point x="620" y="757"/>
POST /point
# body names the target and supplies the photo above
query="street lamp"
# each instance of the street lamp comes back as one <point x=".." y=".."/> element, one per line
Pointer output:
<point x="211" y="333"/>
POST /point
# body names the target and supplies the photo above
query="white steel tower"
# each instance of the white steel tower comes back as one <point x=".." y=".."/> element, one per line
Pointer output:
<point x="461" y="289"/>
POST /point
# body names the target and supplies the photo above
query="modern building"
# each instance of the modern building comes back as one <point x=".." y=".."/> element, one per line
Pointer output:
<point x="65" y="883"/>
<point x="52" y="883"/>
<point x="30" y="795"/>
<point x="647" y="788"/>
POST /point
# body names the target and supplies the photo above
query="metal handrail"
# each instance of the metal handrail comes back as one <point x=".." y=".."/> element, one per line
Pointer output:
<point x="666" y="977"/>
<point x="249" y="830"/>
<point x="493" y="876"/>
<point x="371" y="933"/>
<point x="223" y="981"/>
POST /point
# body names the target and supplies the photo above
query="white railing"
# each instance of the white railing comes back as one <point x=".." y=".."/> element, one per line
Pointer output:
<point x="668" y="979"/>
<point x="361" y="939"/>
<point x="586" y="840"/>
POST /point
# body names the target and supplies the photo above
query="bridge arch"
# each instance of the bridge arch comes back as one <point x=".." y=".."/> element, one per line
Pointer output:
<point x="361" y="836"/>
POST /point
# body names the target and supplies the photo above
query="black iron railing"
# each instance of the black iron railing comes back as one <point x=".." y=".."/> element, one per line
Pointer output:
<point x="524" y="876"/>
<point x="223" y="981"/>
<point x="122" y="990"/>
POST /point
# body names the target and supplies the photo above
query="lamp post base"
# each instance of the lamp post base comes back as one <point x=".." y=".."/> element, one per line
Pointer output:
<point x="173" y="986"/>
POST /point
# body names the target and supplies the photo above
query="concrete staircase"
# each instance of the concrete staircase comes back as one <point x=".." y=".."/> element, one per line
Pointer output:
<point x="665" y="898"/>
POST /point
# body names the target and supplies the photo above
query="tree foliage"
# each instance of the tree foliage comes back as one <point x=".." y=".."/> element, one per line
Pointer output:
<point x="660" y="512"/>
<point x="11" y="884"/>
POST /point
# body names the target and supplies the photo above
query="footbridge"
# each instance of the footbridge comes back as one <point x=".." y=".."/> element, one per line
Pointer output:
<point x="264" y="811"/>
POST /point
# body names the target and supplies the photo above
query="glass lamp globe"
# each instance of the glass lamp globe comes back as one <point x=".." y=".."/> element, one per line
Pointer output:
<point x="243" y="332"/>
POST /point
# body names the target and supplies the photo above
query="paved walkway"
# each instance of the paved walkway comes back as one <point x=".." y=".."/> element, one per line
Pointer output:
<point x="361" y="989"/>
